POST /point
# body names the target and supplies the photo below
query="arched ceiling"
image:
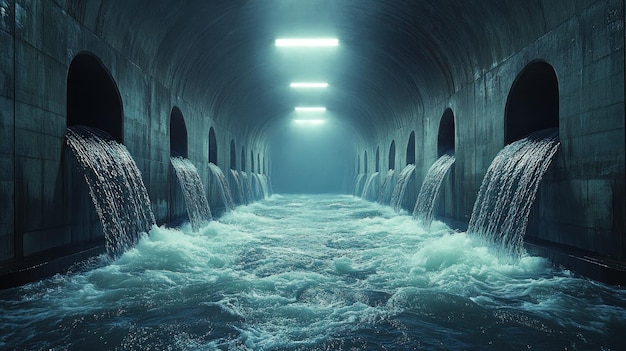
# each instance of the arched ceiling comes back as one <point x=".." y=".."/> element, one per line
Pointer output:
<point x="395" y="57"/>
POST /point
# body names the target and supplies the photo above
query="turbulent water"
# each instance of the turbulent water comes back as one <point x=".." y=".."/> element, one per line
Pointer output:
<point x="313" y="273"/>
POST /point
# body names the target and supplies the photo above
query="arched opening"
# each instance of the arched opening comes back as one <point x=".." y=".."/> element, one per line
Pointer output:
<point x="92" y="96"/>
<point x="377" y="159"/>
<point x="233" y="155"/>
<point x="243" y="159"/>
<point x="251" y="161"/>
<point x="212" y="147"/>
<point x="258" y="163"/>
<point x="392" y="155"/>
<point x="533" y="102"/>
<point x="410" y="149"/>
<point x="178" y="134"/>
<point x="365" y="161"/>
<point x="445" y="138"/>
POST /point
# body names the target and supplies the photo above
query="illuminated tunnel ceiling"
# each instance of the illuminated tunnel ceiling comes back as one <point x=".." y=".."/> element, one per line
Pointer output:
<point x="395" y="57"/>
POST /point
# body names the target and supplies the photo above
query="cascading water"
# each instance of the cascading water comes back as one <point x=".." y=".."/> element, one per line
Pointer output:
<point x="384" y="195"/>
<point x="238" y="186"/>
<point x="115" y="186"/>
<point x="427" y="198"/>
<point x="196" y="202"/>
<point x="256" y="186"/>
<point x="358" y="183"/>
<point x="265" y="185"/>
<point x="508" y="190"/>
<point x="405" y="177"/>
<point x="367" y="188"/>
<point x="247" y="187"/>
<point x="222" y="184"/>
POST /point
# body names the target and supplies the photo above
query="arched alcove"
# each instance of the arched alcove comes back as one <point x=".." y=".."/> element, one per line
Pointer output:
<point x="377" y="159"/>
<point x="392" y="155"/>
<point x="258" y="163"/>
<point x="178" y="134"/>
<point x="445" y="137"/>
<point x="212" y="146"/>
<point x="365" y="161"/>
<point x="93" y="98"/>
<point x="233" y="155"/>
<point x="533" y="102"/>
<point x="243" y="159"/>
<point x="410" y="149"/>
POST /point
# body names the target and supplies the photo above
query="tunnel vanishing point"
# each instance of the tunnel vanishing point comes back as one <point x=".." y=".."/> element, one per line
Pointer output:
<point x="407" y="81"/>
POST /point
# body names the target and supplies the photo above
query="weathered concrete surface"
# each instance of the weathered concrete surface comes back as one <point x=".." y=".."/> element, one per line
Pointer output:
<point x="400" y="65"/>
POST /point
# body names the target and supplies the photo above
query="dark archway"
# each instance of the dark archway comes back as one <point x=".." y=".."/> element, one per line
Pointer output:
<point x="233" y="155"/>
<point x="243" y="159"/>
<point x="258" y="163"/>
<point x="410" y="149"/>
<point x="93" y="98"/>
<point x="251" y="161"/>
<point x="377" y="159"/>
<point x="365" y="161"/>
<point x="178" y="134"/>
<point x="212" y="147"/>
<point x="445" y="137"/>
<point x="392" y="155"/>
<point x="533" y="102"/>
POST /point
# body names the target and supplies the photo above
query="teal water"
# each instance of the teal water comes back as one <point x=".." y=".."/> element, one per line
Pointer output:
<point x="313" y="273"/>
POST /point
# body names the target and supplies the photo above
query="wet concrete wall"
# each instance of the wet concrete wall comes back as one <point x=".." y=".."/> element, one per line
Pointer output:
<point x="46" y="209"/>
<point x="580" y="204"/>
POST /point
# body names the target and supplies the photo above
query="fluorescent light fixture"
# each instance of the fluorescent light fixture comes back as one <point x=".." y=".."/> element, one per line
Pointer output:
<point x="307" y="42"/>
<point x="308" y="85"/>
<point x="310" y="109"/>
<point x="313" y="122"/>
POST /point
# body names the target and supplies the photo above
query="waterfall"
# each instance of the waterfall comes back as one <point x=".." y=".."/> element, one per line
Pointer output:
<point x="115" y="185"/>
<point x="405" y="177"/>
<point x="198" y="208"/>
<point x="427" y="198"/>
<point x="256" y="186"/>
<point x="368" y="184"/>
<point x="508" y="190"/>
<point x="238" y="186"/>
<point x="265" y="185"/>
<point x="358" y="183"/>
<point x="247" y="187"/>
<point x="384" y="195"/>
<point x="222" y="184"/>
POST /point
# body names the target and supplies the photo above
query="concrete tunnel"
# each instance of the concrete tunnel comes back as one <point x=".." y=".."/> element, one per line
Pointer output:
<point x="408" y="81"/>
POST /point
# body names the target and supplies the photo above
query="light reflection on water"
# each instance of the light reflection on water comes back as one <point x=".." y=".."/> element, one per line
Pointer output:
<point x="313" y="272"/>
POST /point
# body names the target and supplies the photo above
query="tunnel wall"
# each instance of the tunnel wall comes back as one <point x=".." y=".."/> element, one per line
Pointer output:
<point x="580" y="205"/>
<point x="46" y="212"/>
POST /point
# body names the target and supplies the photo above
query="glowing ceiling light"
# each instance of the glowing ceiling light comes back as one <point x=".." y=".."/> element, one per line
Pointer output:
<point x="313" y="122"/>
<point x="310" y="109"/>
<point x="307" y="42"/>
<point x="308" y="85"/>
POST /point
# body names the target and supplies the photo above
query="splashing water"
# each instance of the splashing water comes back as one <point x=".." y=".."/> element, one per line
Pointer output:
<point x="314" y="273"/>
<point x="247" y="186"/>
<point x="238" y="186"/>
<point x="405" y="177"/>
<point x="370" y="186"/>
<point x="198" y="208"/>
<point x="508" y="190"/>
<point x="222" y="184"/>
<point x="426" y="200"/>
<point x="358" y="184"/>
<point x="266" y="185"/>
<point x="115" y="185"/>
<point x="384" y="192"/>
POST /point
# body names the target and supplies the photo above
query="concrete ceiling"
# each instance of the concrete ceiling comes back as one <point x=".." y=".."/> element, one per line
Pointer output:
<point x="395" y="57"/>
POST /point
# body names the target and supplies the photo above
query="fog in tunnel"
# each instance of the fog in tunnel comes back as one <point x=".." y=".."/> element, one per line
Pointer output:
<point x="312" y="159"/>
